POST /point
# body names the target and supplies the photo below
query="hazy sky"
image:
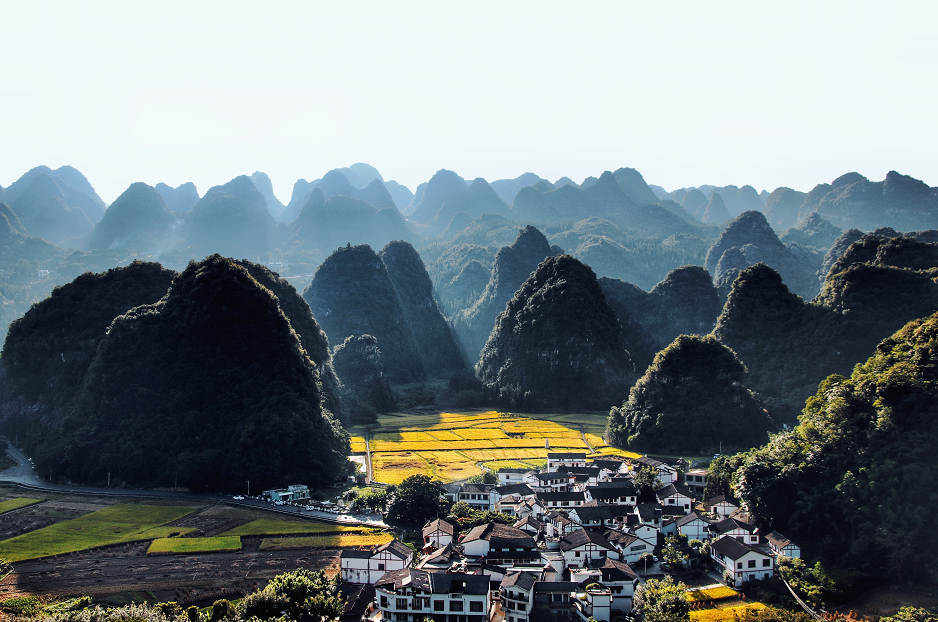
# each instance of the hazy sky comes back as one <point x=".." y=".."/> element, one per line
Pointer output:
<point x="686" y="92"/>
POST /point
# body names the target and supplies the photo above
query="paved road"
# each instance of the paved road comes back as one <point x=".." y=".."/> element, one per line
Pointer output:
<point x="24" y="475"/>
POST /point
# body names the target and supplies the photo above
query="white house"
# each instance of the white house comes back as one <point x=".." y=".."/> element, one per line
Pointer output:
<point x="666" y="473"/>
<point x="735" y="528"/>
<point x="617" y="492"/>
<point x="584" y="544"/>
<point x="694" y="526"/>
<point x="561" y="500"/>
<point x="782" y="545"/>
<point x="554" y="481"/>
<point x="630" y="546"/>
<point x="740" y="561"/>
<point x="490" y="538"/>
<point x="594" y="515"/>
<point x="722" y="505"/>
<point x="509" y="476"/>
<point x="478" y="496"/>
<point x="517" y="596"/>
<point x="616" y="575"/>
<point x="411" y="595"/>
<point x="696" y="481"/>
<point x="438" y="532"/>
<point x="675" y="495"/>
<point x="369" y="565"/>
<point x="556" y="459"/>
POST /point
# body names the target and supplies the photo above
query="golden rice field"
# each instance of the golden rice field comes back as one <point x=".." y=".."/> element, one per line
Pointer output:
<point x="454" y="446"/>
<point x="724" y="614"/>
<point x="713" y="593"/>
<point x="334" y="541"/>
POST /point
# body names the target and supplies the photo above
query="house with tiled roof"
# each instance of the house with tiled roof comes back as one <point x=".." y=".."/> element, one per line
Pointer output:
<point x="510" y="475"/>
<point x="369" y="565"/>
<point x="585" y="544"/>
<point x="478" y="496"/>
<point x="561" y="500"/>
<point x="722" y="505"/>
<point x="742" y="531"/>
<point x="412" y="594"/>
<point x="516" y="594"/>
<point x="438" y="533"/>
<point x="594" y="515"/>
<point x="741" y="562"/>
<point x="616" y="492"/>
<point x="553" y="481"/>
<point x="616" y="575"/>
<point x="530" y="525"/>
<point x="630" y="546"/>
<point x="782" y="545"/>
<point x="666" y="472"/>
<point x="675" y="495"/>
<point x="556" y="459"/>
<point x="694" y="526"/>
<point x="491" y="538"/>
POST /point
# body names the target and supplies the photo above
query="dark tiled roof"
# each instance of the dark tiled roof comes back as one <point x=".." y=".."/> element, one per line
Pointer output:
<point x="613" y="569"/>
<point x="501" y="536"/>
<point x="357" y="598"/>
<point x="566" y="455"/>
<point x="778" y="540"/>
<point x="595" y="513"/>
<point x="515" y="556"/>
<point x="514" y="470"/>
<point x="612" y="465"/>
<point x="438" y="525"/>
<point x="721" y="498"/>
<point x="671" y="490"/>
<point x="689" y="518"/>
<point x="457" y="583"/>
<point x="578" y="470"/>
<point x="553" y="587"/>
<point x="552" y="475"/>
<point x="619" y="538"/>
<point x="583" y="536"/>
<point x="521" y="580"/>
<point x="443" y="556"/>
<point x="647" y="461"/>
<point x="729" y="524"/>
<point x="477" y="488"/>
<point x="514" y="489"/>
<point x="397" y="579"/>
<point x="529" y="520"/>
<point x="649" y="511"/>
<point x="356" y="553"/>
<point x="731" y="547"/>
<point x="396" y="547"/>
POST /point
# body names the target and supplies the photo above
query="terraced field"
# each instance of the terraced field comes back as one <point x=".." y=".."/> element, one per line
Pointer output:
<point x="456" y="446"/>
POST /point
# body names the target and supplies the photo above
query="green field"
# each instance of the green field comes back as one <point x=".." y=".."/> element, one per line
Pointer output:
<point x="331" y="541"/>
<point x="273" y="526"/>
<point x="216" y="544"/>
<point x="113" y="525"/>
<point x="13" y="504"/>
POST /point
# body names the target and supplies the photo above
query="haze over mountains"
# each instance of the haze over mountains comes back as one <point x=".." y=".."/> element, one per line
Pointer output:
<point x="517" y="293"/>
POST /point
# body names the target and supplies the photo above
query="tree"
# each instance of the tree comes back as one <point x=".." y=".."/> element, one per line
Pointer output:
<point x="813" y="584"/>
<point x="647" y="482"/>
<point x="663" y="601"/>
<point x="417" y="500"/>
<point x="310" y="594"/>
<point x="673" y="556"/>
<point x="912" y="614"/>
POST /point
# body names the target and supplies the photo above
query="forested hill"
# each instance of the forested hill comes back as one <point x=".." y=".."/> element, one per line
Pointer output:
<point x="557" y="344"/>
<point x="856" y="482"/>
<point x="210" y="385"/>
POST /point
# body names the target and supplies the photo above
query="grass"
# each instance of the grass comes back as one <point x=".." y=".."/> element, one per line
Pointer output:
<point x="333" y="541"/>
<point x="14" y="504"/>
<point x="216" y="544"/>
<point x="724" y="614"/>
<point x="113" y="525"/>
<point x="273" y="526"/>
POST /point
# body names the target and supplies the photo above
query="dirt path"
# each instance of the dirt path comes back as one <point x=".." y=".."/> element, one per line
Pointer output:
<point x="369" y="470"/>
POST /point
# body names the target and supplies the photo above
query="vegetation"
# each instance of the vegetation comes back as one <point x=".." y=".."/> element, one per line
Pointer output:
<point x="272" y="526"/>
<point x="13" y="504"/>
<point x="662" y="601"/>
<point x="416" y="500"/>
<point x="216" y="544"/>
<point x="557" y="343"/>
<point x="840" y="482"/>
<point x="690" y="400"/>
<point x="329" y="541"/>
<point x="113" y="525"/>
<point x="153" y="410"/>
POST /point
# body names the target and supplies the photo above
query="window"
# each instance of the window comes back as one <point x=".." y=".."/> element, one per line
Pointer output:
<point x="439" y="605"/>
<point x="739" y="565"/>
<point x="384" y="602"/>
<point x="752" y="563"/>
<point x="766" y="563"/>
<point x="577" y="553"/>
<point x="400" y="603"/>
<point x="475" y="605"/>
<point x="455" y="605"/>
<point x="380" y="566"/>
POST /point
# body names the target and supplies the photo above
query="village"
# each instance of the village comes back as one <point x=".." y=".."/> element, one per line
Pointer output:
<point x="583" y="543"/>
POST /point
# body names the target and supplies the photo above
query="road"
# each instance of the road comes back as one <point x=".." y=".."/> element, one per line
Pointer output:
<point x="24" y="475"/>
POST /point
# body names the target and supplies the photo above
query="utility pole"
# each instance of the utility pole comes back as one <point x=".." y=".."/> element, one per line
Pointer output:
<point x="108" y="479"/>
<point x="249" y="487"/>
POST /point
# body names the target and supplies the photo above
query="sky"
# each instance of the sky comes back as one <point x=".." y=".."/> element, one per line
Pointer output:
<point x="689" y="93"/>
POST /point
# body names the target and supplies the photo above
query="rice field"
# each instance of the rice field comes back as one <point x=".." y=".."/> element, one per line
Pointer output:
<point x="113" y="525"/>
<point x="274" y="526"/>
<point x="724" y="614"/>
<point x="455" y="446"/>
<point x="15" y="504"/>
<point x="333" y="541"/>
<point x="216" y="544"/>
